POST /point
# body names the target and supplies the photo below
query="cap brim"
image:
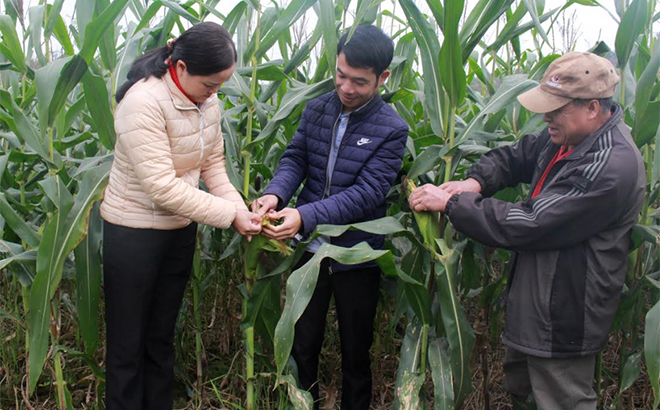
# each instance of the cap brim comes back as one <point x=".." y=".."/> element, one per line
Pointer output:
<point x="539" y="101"/>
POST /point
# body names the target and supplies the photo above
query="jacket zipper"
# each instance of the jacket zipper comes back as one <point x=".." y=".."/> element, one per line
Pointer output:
<point x="201" y="132"/>
<point x="326" y="190"/>
<point x="201" y="137"/>
<point x="201" y="127"/>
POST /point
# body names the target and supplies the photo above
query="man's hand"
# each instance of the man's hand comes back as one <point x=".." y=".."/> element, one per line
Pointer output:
<point x="456" y="187"/>
<point x="429" y="198"/>
<point x="288" y="228"/>
<point x="264" y="204"/>
<point x="247" y="223"/>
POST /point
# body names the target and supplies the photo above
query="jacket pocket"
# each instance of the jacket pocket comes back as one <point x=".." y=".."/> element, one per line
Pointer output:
<point x="528" y="300"/>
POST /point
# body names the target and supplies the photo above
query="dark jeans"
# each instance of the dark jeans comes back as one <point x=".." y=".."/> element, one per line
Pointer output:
<point x="145" y="274"/>
<point x="356" y="297"/>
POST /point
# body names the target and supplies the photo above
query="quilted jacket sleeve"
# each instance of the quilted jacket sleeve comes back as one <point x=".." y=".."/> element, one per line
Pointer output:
<point x="214" y="174"/>
<point x="292" y="168"/>
<point x="147" y="145"/>
<point x="369" y="191"/>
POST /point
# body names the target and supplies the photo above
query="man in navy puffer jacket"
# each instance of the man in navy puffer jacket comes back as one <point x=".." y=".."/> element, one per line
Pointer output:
<point x="348" y="149"/>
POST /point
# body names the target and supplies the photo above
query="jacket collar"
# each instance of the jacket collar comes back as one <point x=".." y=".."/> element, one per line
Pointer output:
<point x="181" y="101"/>
<point x="361" y="112"/>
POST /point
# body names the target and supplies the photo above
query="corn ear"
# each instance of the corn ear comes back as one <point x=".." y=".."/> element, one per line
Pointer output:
<point x="427" y="222"/>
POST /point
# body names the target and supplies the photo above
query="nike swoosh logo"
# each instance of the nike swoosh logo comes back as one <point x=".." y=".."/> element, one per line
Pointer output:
<point x="364" y="141"/>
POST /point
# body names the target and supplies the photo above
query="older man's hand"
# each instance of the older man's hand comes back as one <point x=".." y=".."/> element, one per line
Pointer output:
<point x="429" y="198"/>
<point x="456" y="187"/>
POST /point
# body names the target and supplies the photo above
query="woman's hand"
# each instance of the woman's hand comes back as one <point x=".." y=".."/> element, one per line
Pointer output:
<point x="247" y="223"/>
<point x="264" y="204"/>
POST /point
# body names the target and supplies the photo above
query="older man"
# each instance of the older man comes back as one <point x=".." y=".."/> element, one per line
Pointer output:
<point x="570" y="237"/>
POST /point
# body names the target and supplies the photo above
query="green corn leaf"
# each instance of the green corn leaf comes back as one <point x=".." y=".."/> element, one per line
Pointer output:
<point x="36" y="20"/>
<point x="429" y="49"/>
<point x="438" y="13"/>
<point x="291" y="14"/>
<point x="301" y="399"/>
<point x="49" y="271"/>
<point x="270" y="71"/>
<point x="479" y="21"/>
<point x="450" y="60"/>
<point x="513" y="29"/>
<point x="511" y="87"/>
<point x="129" y="53"/>
<point x="656" y="160"/>
<point x="63" y="233"/>
<point x="329" y="33"/>
<point x="107" y="47"/>
<point x="650" y="234"/>
<point x="234" y="17"/>
<point x="14" y="9"/>
<point x="46" y="79"/>
<point x="17" y="223"/>
<point x="28" y="133"/>
<point x="53" y="16"/>
<point x="98" y="103"/>
<point x="178" y="9"/>
<point x="443" y="393"/>
<point x="633" y="22"/>
<point x="148" y="15"/>
<point x="75" y="69"/>
<point x="88" y="282"/>
<point x="408" y="391"/>
<point x="532" y="8"/>
<point x="71" y="73"/>
<point x="366" y="12"/>
<point x="409" y="356"/>
<point x="15" y="253"/>
<point x="293" y="99"/>
<point x="62" y="35"/>
<point x="12" y="46"/>
<point x="643" y="92"/>
<point x="300" y="287"/>
<point x="631" y="370"/>
<point x="457" y="327"/>
<point x="428" y="160"/>
<point x="652" y="350"/>
<point x="97" y="28"/>
<point x="296" y="60"/>
<point x="84" y="16"/>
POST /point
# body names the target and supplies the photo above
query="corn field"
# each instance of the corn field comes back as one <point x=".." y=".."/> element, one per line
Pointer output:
<point x="455" y="76"/>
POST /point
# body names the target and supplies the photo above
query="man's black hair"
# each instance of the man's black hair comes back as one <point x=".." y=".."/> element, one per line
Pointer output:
<point x="369" y="47"/>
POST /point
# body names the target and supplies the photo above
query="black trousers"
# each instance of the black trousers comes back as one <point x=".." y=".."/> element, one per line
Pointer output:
<point x="145" y="274"/>
<point x="356" y="298"/>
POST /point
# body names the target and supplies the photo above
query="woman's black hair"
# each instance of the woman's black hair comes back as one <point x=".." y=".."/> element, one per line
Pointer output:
<point x="206" y="48"/>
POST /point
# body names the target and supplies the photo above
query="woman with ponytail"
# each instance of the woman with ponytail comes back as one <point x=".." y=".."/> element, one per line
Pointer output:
<point x="168" y="136"/>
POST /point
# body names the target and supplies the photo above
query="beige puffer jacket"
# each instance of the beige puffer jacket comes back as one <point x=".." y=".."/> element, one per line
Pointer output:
<point x="164" y="144"/>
